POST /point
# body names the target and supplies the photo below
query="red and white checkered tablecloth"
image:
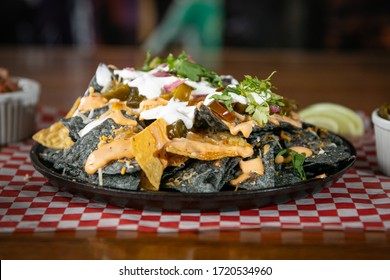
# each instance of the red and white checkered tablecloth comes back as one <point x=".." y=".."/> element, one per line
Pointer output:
<point x="359" y="201"/>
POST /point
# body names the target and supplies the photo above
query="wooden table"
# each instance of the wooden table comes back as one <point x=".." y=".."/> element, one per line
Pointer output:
<point x="358" y="80"/>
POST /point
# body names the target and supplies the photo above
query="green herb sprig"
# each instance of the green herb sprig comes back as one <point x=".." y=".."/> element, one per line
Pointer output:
<point x="250" y="87"/>
<point x="183" y="67"/>
<point x="297" y="160"/>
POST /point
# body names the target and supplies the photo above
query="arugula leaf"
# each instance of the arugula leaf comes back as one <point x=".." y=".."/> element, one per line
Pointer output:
<point x="297" y="161"/>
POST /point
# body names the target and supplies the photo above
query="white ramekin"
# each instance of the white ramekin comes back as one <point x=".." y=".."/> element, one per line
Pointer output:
<point x="382" y="139"/>
<point x="17" y="111"/>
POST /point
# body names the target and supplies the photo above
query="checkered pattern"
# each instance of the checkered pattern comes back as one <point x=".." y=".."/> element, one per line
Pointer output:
<point x="359" y="201"/>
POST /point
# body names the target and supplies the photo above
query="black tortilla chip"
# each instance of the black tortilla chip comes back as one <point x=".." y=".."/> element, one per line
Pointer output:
<point x="72" y="162"/>
<point x="74" y="158"/>
<point x="201" y="176"/>
<point x="330" y="159"/>
<point x="93" y="83"/>
<point x="74" y="125"/>
<point x="77" y="123"/>
<point x="286" y="177"/>
<point x="51" y="155"/>
<point x="129" y="182"/>
<point x="265" y="181"/>
<point x="129" y="165"/>
<point x="204" y="118"/>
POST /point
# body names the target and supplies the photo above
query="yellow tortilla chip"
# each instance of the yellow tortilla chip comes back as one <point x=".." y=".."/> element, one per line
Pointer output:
<point x="148" y="150"/>
<point x="56" y="137"/>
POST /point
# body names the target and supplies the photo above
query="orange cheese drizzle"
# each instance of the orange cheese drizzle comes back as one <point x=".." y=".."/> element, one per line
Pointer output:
<point x="92" y="101"/>
<point x="206" y="151"/>
<point x="276" y="118"/>
<point x="248" y="168"/>
<point x="119" y="118"/>
<point x="117" y="149"/>
<point x="245" y="128"/>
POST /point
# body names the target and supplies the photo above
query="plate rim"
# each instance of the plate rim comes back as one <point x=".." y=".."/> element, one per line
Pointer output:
<point x="148" y="197"/>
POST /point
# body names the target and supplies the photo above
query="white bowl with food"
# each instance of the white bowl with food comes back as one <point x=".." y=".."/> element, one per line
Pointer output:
<point x="381" y="120"/>
<point x="18" y="101"/>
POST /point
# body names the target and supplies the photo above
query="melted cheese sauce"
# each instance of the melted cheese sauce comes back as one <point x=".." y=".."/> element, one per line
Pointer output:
<point x="119" y="118"/>
<point x="240" y="179"/>
<point x="252" y="166"/>
<point x="117" y="149"/>
<point x="249" y="168"/>
<point x="115" y="114"/>
<point x="206" y="151"/>
<point x="245" y="128"/>
<point x="92" y="101"/>
<point x="276" y="118"/>
<point x="152" y="103"/>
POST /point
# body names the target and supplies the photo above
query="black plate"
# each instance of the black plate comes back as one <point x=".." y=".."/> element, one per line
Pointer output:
<point x="175" y="201"/>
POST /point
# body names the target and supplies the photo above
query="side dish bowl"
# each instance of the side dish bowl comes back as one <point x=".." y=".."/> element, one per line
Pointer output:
<point x="382" y="139"/>
<point x="17" y="111"/>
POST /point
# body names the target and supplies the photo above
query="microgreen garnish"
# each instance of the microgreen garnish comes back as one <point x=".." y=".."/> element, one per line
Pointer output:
<point x="146" y="65"/>
<point x="184" y="67"/>
<point x="297" y="160"/>
<point x="259" y="97"/>
<point x="150" y="63"/>
<point x="187" y="69"/>
<point x="226" y="98"/>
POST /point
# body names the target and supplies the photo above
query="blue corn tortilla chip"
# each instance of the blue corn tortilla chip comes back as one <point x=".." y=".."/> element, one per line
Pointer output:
<point x="72" y="162"/>
<point x="331" y="158"/>
<point x="102" y="68"/>
<point x="74" y="158"/>
<point x="265" y="181"/>
<point x="130" y="182"/>
<point x="129" y="166"/>
<point x="288" y="176"/>
<point x="204" y="118"/>
<point x="77" y="123"/>
<point x="74" y="125"/>
<point x="201" y="176"/>
<point x="51" y="155"/>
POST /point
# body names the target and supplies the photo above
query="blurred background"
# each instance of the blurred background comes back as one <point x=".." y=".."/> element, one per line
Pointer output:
<point x="162" y="24"/>
<point x="323" y="50"/>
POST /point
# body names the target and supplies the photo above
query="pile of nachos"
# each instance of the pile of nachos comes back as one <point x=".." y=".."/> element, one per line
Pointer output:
<point x="174" y="125"/>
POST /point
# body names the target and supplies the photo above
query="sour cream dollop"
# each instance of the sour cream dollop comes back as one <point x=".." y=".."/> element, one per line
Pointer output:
<point x="151" y="86"/>
<point x="173" y="111"/>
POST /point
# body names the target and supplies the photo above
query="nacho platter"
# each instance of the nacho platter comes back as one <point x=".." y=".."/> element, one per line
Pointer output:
<point x="177" y="136"/>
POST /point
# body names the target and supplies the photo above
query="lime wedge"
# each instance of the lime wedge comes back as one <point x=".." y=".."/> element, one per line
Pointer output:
<point x="334" y="117"/>
<point x="323" y="122"/>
